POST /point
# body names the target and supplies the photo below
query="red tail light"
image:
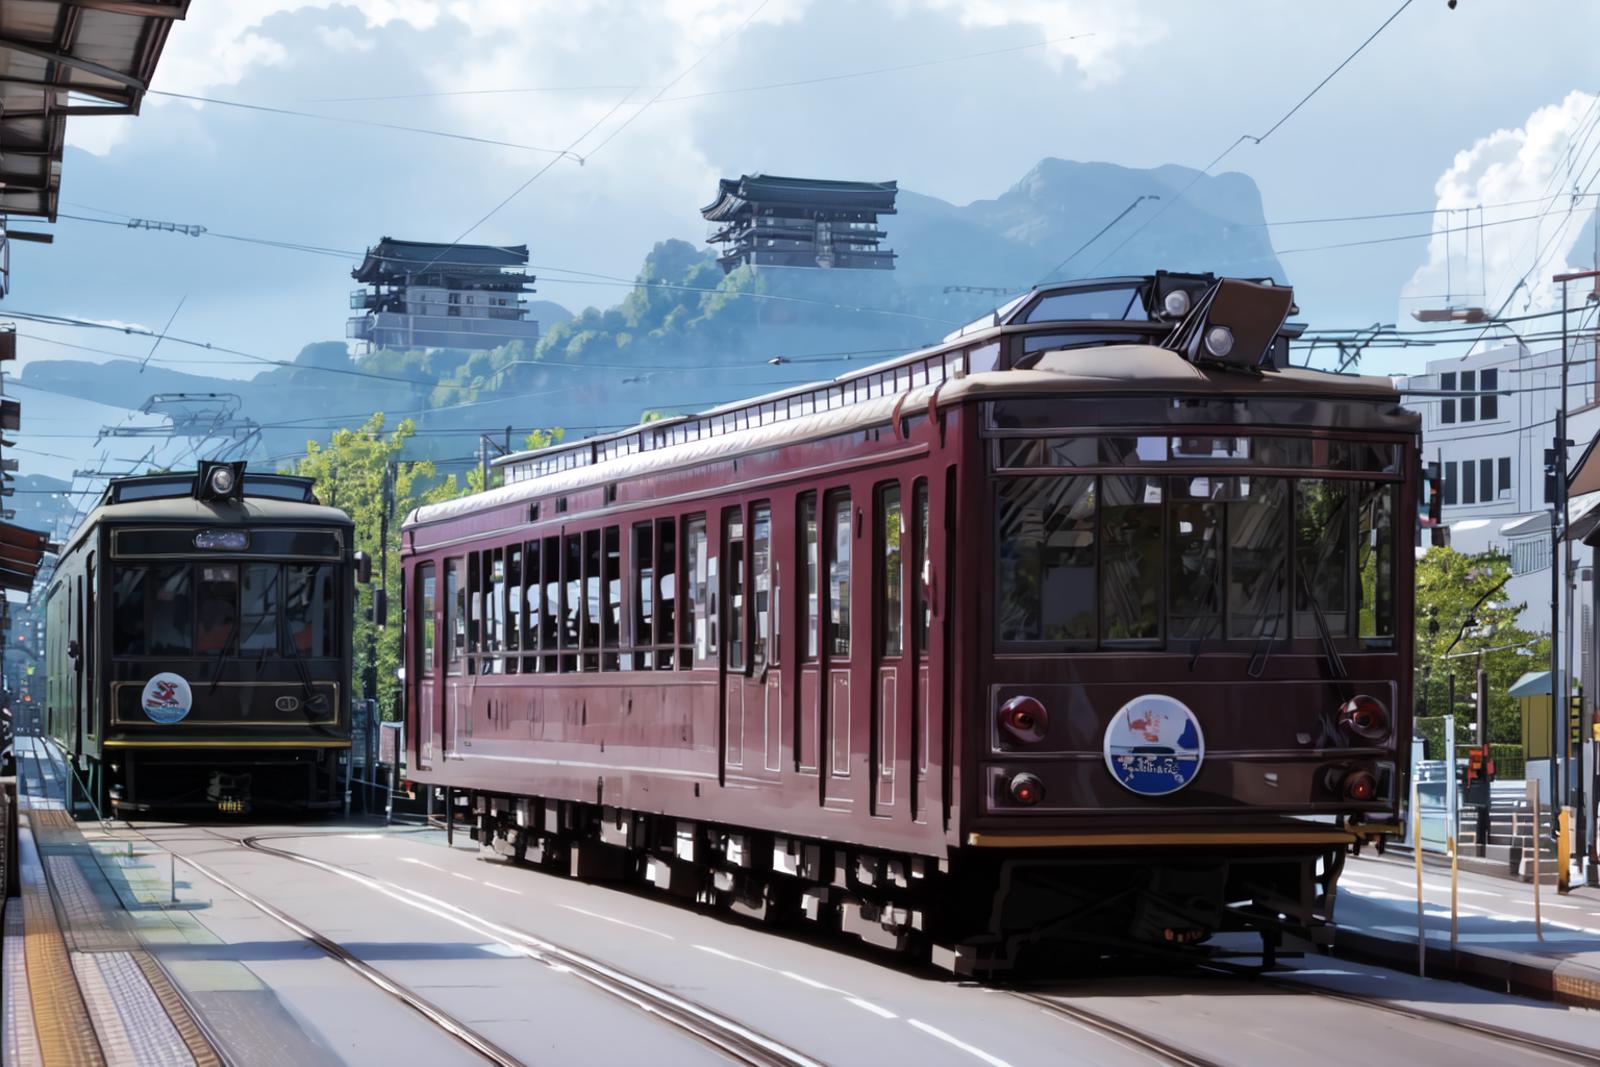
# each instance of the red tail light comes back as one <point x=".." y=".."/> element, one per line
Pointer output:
<point x="1360" y="786"/>
<point x="1025" y="789"/>
<point x="1365" y="717"/>
<point x="1025" y="719"/>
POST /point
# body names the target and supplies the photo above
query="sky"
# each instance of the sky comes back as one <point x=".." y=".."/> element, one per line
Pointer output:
<point x="1491" y="103"/>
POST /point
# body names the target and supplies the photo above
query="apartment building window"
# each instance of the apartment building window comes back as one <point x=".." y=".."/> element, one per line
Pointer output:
<point x="1469" y="484"/>
<point x="1469" y="404"/>
<point x="1447" y="405"/>
<point x="1485" y="480"/>
<point x="1488" y="403"/>
<point x="1450" y="483"/>
<point x="1505" y="469"/>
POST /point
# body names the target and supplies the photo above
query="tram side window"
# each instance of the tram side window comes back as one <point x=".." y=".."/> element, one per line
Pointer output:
<point x="667" y="599"/>
<point x="840" y="534"/>
<point x="171" y="610"/>
<point x="733" y="553"/>
<point x="699" y="569"/>
<point x="921" y="567"/>
<point x="571" y="599"/>
<point x="891" y="634"/>
<point x="533" y="597"/>
<point x="426" y="631"/>
<point x="611" y="586"/>
<point x="550" y="610"/>
<point x="1130" y="577"/>
<point x="455" y="605"/>
<point x="761" y="585"/>
<point x="644" y="601"/>
<point x="310" y="609"/>
<point x="1045" y="544"/>
<point x="474" y="617"/>
<point x="512" y="611"/>
<point x="811" y="563"/>
<point x="590" y="616"/>
<point x="127" y="610"/>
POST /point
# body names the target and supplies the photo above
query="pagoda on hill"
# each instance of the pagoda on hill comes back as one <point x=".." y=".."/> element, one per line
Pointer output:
<point x="767" y="221"/>
<point x="425" y="295"/>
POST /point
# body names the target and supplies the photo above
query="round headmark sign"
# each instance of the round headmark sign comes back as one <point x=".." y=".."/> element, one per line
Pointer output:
<point x="1153" y="745"/>
<point x="166" y="698"/>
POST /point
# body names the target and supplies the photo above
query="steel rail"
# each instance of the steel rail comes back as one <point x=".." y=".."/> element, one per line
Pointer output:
<point x="1521" y="1038"/>
<point x="720" y="1032"/>
<point x="455" y="1028"/>
<point x="1164" y="1051"/>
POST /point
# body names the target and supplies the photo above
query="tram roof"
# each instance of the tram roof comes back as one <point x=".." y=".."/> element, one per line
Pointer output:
<point x="251" y="511"/>
<point x="1121" y="370"/>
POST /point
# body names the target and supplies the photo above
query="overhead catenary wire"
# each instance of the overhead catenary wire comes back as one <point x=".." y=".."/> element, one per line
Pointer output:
<point x="612" y="135"/>
<point x="558" y="153"/>
<point x="1167" y="203"/>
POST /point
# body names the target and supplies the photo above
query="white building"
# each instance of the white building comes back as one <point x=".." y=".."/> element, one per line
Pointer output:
<point x="1488" y="428"/>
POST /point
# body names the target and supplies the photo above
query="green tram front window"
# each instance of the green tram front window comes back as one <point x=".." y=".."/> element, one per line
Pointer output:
<point x="211" y="608"/>
<point x="1168" y="560"/>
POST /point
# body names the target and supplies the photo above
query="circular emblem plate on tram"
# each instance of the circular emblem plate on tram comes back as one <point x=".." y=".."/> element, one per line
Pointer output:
<point x="1153" y="745"/>
<point x="166" y="698"/>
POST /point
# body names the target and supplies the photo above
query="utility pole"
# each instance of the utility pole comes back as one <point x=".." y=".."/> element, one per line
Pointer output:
<point x="1560" y="704"/>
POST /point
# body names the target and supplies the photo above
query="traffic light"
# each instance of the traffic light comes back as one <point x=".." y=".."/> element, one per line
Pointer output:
<point x="1575" y="724"/>
<point x="1480" y="772"/>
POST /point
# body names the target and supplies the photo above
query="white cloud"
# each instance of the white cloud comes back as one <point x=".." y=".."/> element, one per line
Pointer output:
<point x="1101" y="30"/>
<point x="1544" y="160"/>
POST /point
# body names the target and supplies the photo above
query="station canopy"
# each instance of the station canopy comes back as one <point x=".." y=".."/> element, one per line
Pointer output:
<point x="60" y="58"/>
<point x="21" y="551"/>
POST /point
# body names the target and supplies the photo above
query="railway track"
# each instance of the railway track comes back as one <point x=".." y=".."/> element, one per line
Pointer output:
<point x="1520" y="1044"/>
<point x="723" y="1034"/>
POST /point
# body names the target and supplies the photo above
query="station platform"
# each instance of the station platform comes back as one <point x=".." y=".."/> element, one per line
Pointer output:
<point x="79" y="988"/>
<point x="1501" y="942"/>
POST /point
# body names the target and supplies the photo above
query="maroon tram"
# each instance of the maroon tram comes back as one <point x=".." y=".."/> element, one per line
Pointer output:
<point x="1087" y="626"/>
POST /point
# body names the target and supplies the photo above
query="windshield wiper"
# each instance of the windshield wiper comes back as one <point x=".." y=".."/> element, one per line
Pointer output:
<point x="222" y="654"/>
<point x="1329" y="649"/>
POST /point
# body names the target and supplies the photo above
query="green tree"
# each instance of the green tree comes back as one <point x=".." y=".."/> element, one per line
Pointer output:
<point x="351" y="472"/>
<point x="1449" y="584"/>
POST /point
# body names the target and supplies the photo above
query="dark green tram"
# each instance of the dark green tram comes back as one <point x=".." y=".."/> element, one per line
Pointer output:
<point x="198" y="644"/>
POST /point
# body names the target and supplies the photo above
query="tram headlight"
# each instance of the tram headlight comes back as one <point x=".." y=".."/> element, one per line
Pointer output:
<point x="1024" y="719"/>
<point x="1219" y="341"/>
<point x="221" y="481"/>
<point x="1365" y="717"/>
<point x="1177" y="303"/>
<point x="1025" y="789"/>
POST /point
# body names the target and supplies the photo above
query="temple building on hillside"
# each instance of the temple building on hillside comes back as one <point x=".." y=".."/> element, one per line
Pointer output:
<point x="765" y="221"/>
<point x="422" y="295"/>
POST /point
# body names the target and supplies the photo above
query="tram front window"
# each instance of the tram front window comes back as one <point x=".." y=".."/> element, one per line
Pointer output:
<point x="210" y="608"/>
<point x="1166" y="561"/>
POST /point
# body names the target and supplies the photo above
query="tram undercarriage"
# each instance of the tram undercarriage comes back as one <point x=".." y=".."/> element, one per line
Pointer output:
<point x="982" y="913"/>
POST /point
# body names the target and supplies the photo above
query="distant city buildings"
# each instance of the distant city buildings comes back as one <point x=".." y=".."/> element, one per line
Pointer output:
<point x="764" y="221"/>
<point x="424" y="295"/>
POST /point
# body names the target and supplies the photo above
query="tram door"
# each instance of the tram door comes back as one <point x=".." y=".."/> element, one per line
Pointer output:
<point x="424" y="632"/>
<point x="824" y="535"/>
<point x="752" y="686"/>
<point x="894" y="679"/>
<point x="454" y="698"/>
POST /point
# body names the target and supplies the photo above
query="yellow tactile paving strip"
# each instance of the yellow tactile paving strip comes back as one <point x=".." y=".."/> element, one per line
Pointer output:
<point x="19" y="1043"/>
<point x="200" y="1050"/>
<point x="60" y="1017"/>
<point x="97" y="998"/>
